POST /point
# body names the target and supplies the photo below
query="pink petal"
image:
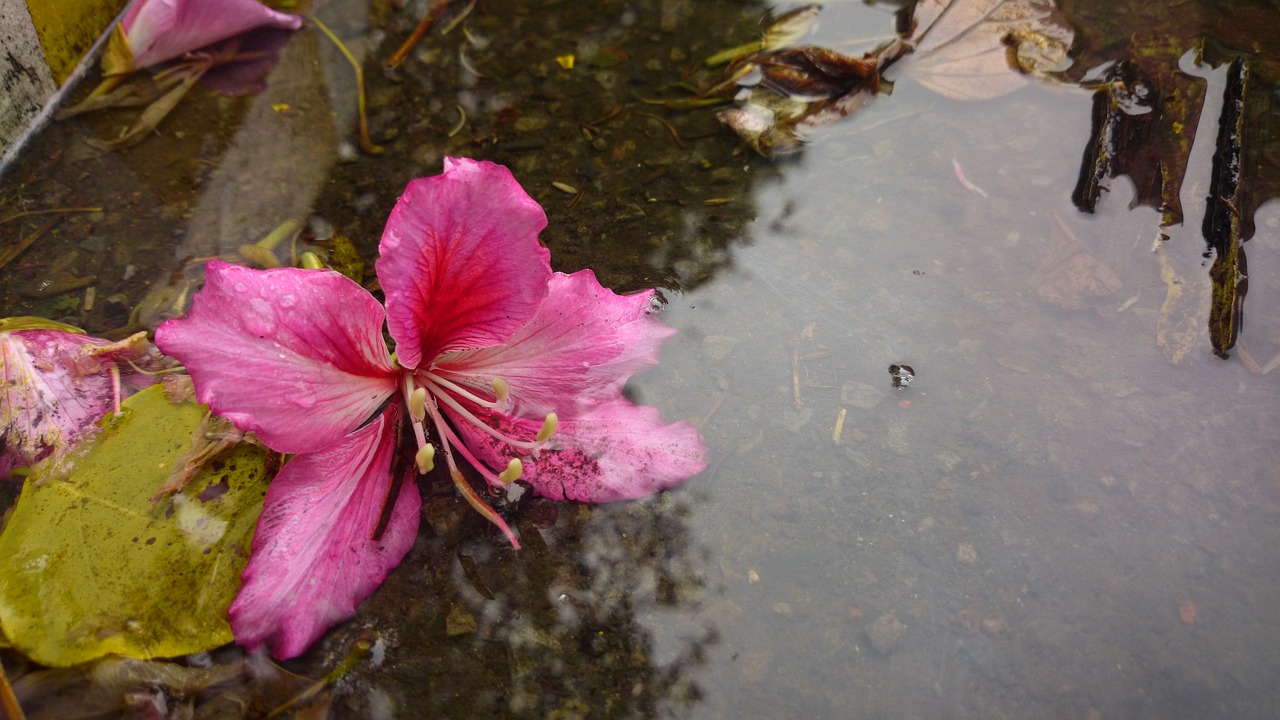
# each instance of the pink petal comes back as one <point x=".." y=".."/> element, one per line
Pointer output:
<point x="55" y="386"/>
<point x="50" y="398"/>
<point x="296" y="356"/>
<point x="313" y="556"/>
<point x="460" y="261"/>
<point x="161" y="30"/>
<point x="578" y="350"/>
<point x="617" y="451"/>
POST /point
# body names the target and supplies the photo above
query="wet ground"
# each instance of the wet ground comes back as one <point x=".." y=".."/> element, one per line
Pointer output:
<point x="1053" y="520"/>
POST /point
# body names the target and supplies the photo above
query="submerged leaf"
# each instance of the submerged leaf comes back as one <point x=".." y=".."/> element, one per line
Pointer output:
<point x="89" y="568"/>
<point x="242" y="686"/>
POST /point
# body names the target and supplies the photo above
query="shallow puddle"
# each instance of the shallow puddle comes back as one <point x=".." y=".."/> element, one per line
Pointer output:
<point x="1053" y="518"/>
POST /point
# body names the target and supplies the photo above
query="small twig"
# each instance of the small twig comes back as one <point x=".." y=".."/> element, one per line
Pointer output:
<point x="434" y="11"/>
<point x="366" y="143"/>
<point x="465" y="62"/>
<point x="715" y="407"/>
<point x="670" y="128"/>
<point x="458" y="20"/>
<point x="1247" y="359"/>
<point x="796" y="398"/>
<point x="7" y="256"/>
<point x="364" y="645"/>
<point x="50" y="211"/>
<point x="837" y="433"/>
<point x="1275" y="363"/>
<point x="613" y="112"/>
<point x="462" y="121"/>
<point x="1062" y="225"/>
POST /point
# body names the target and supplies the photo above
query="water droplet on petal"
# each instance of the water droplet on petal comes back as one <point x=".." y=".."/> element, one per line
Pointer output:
<point x="260" y="318"/>
<point x="304" y="397"/>
<point x="288" y="300"/>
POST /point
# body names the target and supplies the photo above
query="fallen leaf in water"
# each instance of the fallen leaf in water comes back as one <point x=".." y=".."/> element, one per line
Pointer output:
<point x="1070" y="276"/>
<point x="89" y="567"/>
<point x="963" y="49"/>
<point x="241" y="687"/>
<point x="799" y="90"/>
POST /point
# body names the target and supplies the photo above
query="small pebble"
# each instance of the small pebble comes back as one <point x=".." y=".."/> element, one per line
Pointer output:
<point x="885" y="632"/>
<point x="459" y="622"/>
<point x="1087" y="510"/>
<point x="347" y="153"/>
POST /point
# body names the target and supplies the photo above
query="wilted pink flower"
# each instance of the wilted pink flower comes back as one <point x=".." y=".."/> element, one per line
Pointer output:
<point x="158" y="31"/>
<point x="56" y="385"/>
<point x="498" y="359"/>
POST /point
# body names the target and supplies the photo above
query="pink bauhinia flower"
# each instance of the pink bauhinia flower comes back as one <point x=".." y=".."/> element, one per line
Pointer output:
<point x="498" y="360"/>
<point x="157" y="31"/>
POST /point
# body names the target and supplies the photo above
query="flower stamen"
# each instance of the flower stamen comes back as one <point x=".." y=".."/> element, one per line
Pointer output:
<point x="425" y="459"/>
<point x="416" y="399"/>
<point x="501" y="390"/>
<point x="465" y="414"/>
<point x="418" y="404"/>
<point x="549" y="426"/>
<point x="514" y="469"/>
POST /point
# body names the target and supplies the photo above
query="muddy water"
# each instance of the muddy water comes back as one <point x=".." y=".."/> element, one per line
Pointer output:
<point x="1054" y="519"/>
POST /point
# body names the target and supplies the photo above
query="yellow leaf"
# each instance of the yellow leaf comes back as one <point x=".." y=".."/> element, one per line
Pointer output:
<point x="88" y="567"/>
